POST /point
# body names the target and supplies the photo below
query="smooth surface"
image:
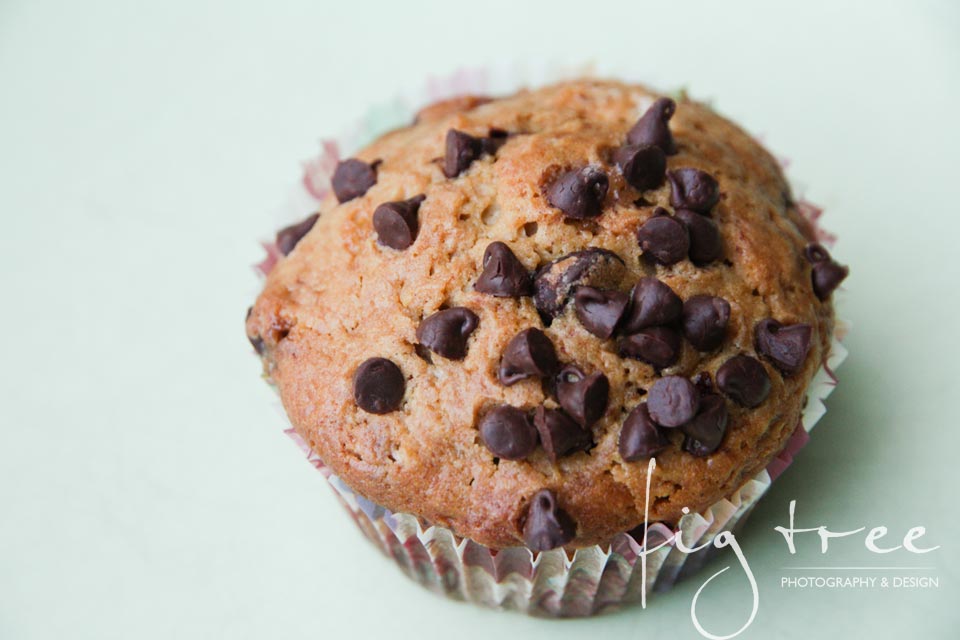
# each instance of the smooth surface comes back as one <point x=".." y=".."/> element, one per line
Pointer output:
<point x="145" y="485"/>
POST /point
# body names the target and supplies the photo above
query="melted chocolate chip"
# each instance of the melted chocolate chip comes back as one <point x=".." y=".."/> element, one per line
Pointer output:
<point x="640" y="437"/>
<point x="461" y="150"/>
<point x="705" y="243"/>
<point x="643" y="167"/>
<point x="579" y="193"/>
<point x="600" y="311"/>
<point x="672" y="401"/>
<point x="508" y="433"/>
<point x="547" y="526"/>
<point x="352" y="178"/>
<point x="705" y="320"/>
<point x="529" y="353"/>
<point x="560" y="434"/>
<point x="288" y="237"/>
<point x="396" y="223"/>
<point x="705" y="431"/>
<point x="584" y="397"/>
<point x="663" y="239"/>
<point x="744" y="380"/>
<point x="653" y="127"/>
<point x="446" y="332"/>
<point x="827" y="276"/>
<point x="378" y="386"/>
<point x="657" y="346"/>
<point x="503" y="274"/>
<point x="557" y="280"/>
<point x="693" y="189"/>
<point x="786" y="346"/>
<point x="652" y="304"/>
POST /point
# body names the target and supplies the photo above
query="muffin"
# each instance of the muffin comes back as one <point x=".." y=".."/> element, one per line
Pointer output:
<point x="503" y="311"/>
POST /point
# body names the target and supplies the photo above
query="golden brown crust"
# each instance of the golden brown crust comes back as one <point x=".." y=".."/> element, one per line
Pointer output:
<point x="339" y="299"/>
<point x="444" y="108"/>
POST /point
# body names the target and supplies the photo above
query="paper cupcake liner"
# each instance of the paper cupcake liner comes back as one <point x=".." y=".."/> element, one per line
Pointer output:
<point x="552" y="583"/>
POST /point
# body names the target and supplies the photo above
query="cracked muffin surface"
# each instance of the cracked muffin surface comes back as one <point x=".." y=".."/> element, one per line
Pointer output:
<point x="505" y="309"/>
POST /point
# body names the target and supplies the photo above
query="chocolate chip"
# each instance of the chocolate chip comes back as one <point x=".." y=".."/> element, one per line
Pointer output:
<point x="584" y="397"/>
<point x="703" y="382"/>
<point x="503" y="274"/>
<point x="705" y="243"/>
<point x="697" y="448"/>
<point x="378" y="386"/>
<point x="288" y="237"/>
<point x="255" y="341"/>
<point x="461" y="150"/>
<point x="529" y="353"/>
<point x="705" y="320"/>
<point x="643" y="167"/>
<point x="653" y="127"/>
<point x="492" y="143"/>
<point x="446" y="332"/>
<point x="744" y="380"/>
<point x="693" y="189"/>
<point x="556" y="281"/>
<point x="705" y="431"/>
<point x="663" y="239"/>
<point x="560" y="434"/>
<point x="827" y="276"/>
<point x="508" y="433"/>
<point x="396" y="222"/>
<point x="423" y="353"/>
<point x="786" y="346"/>
<point x="652" y="304"/>
<point x="579" y="193"/>
<point x="547" y="526"/>
<point x="640" y="437"/>
<point x="598" y="310"/>
<point x="352" y="178"/>
<point x="816" y="252"/>
<point x="657" y="346"/>
<point x="672" y="401"/>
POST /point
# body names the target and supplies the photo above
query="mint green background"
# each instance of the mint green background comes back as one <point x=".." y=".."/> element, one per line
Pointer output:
<point x="145" y="487"/>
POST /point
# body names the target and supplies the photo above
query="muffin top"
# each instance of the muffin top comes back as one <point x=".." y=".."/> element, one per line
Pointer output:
<point x="504" y="310"/>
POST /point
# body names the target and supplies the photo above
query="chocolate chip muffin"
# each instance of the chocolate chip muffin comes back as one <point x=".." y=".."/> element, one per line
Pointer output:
<point x="504" y="310"/>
